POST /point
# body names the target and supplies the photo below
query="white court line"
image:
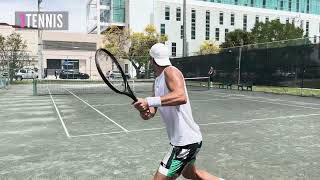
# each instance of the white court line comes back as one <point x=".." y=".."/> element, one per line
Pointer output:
<point x="251" y="98"/>
<point x="261" y="119"/>
<point x="283" y="104"/>
<point x="271" y="99"/>
<point x="151" y="129"/>
<point x="215" y="99"/>
<point x="59" y="115"/>
<point x="241" y="95"/>
<point x="124" y="129"/>
<point x="117" y="132"/>
<point x="98" y="134"/>
<point x="208" y="124"/>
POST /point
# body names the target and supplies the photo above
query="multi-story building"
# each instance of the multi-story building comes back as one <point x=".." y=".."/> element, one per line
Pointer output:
<point x="206" y="19"/>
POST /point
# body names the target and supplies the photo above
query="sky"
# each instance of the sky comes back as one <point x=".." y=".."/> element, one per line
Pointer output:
<point x="76" y="9"/>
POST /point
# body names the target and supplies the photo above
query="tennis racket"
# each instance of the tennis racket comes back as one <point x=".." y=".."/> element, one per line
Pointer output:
<point x="115" y="79"/>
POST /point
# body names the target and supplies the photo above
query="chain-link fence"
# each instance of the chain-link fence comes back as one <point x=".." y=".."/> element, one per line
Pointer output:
<point x="292" y="63"/>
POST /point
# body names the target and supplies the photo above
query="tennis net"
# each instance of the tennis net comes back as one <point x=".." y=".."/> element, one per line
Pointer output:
<point x="64" y="87"/>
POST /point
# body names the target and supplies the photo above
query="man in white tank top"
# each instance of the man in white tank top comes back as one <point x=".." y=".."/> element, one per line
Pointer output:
<point x="172" y="101"/>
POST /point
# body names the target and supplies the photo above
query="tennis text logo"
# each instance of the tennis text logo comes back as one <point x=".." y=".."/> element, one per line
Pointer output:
<point x="49" y="20"/>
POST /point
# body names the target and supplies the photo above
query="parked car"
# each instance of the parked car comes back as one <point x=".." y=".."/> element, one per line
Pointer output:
<point x="117" y="74"/>
<point x="25" y="74"/>
<point x="70" y="74"/>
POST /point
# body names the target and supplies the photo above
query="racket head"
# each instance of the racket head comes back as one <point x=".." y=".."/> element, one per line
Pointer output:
<point x="112" y="74"/>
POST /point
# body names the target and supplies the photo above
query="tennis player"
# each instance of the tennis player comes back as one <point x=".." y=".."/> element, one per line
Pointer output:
<point x="171" y="99"/>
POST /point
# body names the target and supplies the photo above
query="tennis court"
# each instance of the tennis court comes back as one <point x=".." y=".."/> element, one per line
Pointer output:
<point x="74" y="135"/>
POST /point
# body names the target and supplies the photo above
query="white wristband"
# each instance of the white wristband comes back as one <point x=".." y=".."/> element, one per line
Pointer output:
<point x="154" y="101"/>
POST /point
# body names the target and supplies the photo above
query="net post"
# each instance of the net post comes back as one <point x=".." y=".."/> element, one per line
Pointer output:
<point x="209" y="82"/>
<point x="34" y="84"/>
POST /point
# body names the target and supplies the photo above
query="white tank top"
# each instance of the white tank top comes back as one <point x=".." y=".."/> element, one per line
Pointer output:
<point x="181" y="128"/>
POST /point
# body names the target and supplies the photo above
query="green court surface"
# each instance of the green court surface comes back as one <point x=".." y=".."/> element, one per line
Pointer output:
<point x="246" y="136"/>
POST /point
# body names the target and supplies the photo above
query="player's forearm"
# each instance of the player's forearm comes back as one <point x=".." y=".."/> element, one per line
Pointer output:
<point x="173" y="99"/>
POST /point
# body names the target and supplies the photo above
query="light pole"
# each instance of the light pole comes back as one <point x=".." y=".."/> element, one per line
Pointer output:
<point x="239" y="59"/>
<point x="40" y="64"/>
<point x="184" y="45"/>
<point x="90" y="65"/>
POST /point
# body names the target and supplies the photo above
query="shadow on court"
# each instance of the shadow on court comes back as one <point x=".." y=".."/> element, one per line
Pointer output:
<point x="246" y="135"/>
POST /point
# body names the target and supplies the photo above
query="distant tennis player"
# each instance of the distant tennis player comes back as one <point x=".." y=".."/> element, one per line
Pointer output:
<point x="171" y="99"/>
<point x="212" y="72"/>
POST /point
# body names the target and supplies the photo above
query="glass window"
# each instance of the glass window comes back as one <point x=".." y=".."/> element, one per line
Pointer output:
<point x="105" y="2"/>
<point x="207" y="25"/>
<point x="193" y="24"/>
<point x="245" y="22"/>
<point x="232" y="19"/>
<point x="104" y="15"/>
<point x="217" y="34"/>
<point x="162" y="29"/>
<point x="221" y="18"/>
<point x="181" y="32"/>
<point x="167" y="13"/>
<point x="178" y="14"/>
<point x="174" y="49"/>
<point x="264" y="3"/>
<point x="298" y="6"/>
<point x="290" y="5"/>
<point x="118" y="11"/>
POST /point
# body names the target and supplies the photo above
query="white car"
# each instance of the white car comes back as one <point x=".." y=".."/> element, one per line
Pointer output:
<point x="117" y="74"/>
<point x="26" y="74"/>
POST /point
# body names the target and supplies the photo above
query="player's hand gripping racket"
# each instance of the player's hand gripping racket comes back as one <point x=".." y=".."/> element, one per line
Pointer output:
<point x="104" y="60"/>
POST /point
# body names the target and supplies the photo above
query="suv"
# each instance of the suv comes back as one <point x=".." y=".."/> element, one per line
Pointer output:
<point x="25" y="74"/>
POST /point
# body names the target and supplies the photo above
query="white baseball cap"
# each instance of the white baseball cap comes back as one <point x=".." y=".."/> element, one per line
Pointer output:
<point x="160" y="53"/>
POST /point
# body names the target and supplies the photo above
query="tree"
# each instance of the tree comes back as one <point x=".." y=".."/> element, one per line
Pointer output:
<point x="12" y="51"/>
<point x="132" y="46"/>
<point x="275" y="31"/>
<point x="140" y="45"/>
<point x="116" y="41"/>
<point x="235" y="37"/>
<point x="208" y="47"/>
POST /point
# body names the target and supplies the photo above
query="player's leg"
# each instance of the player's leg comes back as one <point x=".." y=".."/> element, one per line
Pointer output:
<point x="191" y="172"/>
<point x="172" y="164"/>
<point x="159" y="176"/>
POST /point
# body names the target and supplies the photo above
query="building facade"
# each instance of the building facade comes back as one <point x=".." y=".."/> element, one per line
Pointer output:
<point x="206" y="19"/>
<point x="60" y="50"/>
